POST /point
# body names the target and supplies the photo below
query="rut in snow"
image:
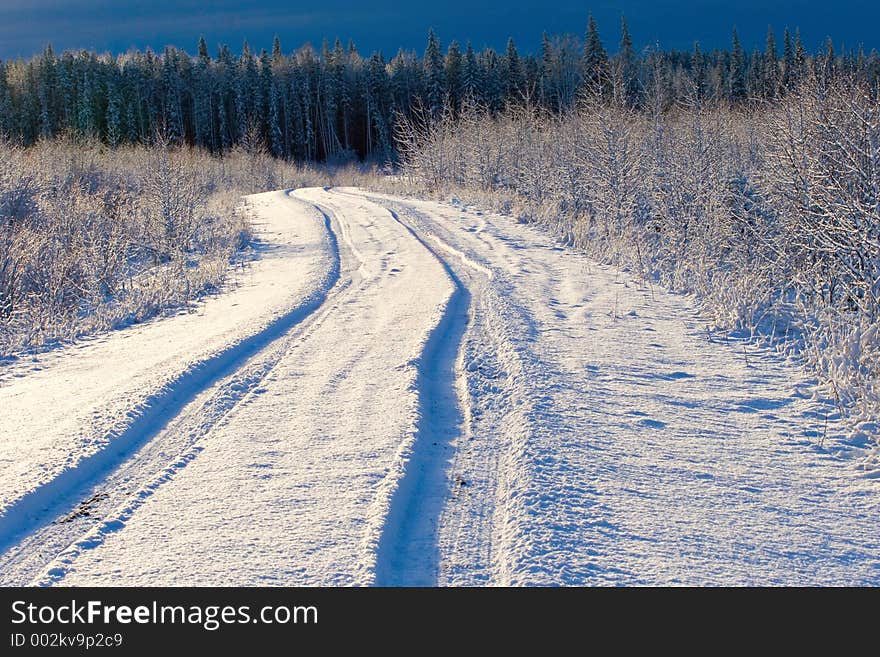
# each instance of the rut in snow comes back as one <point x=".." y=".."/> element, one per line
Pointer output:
<point x="407" y="553"/>
<point x="45" y="511"/>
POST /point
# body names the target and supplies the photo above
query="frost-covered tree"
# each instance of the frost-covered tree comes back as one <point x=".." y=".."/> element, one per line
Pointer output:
<point x="596" y="63"/>
<point x="514" y="79"/>
<point x="769" y="76"/>
<point x="453" y="71"/>
<point x="317" y="105"/>
<point x="435" y="78"/>
<point x="624" y="70"/>
<point x="470" y="74"/>
<point x="738" y="74"/>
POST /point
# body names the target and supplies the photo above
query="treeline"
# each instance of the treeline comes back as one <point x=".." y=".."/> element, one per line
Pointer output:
<point x="337" y="104"/>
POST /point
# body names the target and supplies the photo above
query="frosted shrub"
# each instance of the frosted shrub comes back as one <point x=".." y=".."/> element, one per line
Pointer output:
<point x="92" y="238"/>
<point x="769" y="213"/>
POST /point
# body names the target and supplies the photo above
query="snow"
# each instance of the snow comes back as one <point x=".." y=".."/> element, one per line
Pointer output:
<point x="78" y="413"/>
<point x="405" y="392"/>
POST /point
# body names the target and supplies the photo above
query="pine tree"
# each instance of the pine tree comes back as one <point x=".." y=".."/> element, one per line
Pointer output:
<point x="800" y="57"/>
<point x="737" y="75"/>
<point x="770" y="77"/>
<point x="470" y="75"/>
<point x="789" y="76"/>
<point x="453" y="71"/>
<point x="626" y="68"/>
<point x="491" y="74"/>
<point x="203" y="115"/>
<point x="114" y="116"/>
<point x="434" y="74"/>
<point x="595" y="64"/>
<point x="548" y="65"/>
<point x="698" y="72"/>
<point x="514" y="75"/>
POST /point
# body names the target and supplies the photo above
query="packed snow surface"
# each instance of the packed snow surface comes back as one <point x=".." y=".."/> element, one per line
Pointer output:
<point x="402" y="392"/>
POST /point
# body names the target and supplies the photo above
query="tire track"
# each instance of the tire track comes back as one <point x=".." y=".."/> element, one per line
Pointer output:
<point x="407" y="553"/>
<point x="476" y="527"/>
<point x="297" y="481"/>
<point x="56" y="522"/>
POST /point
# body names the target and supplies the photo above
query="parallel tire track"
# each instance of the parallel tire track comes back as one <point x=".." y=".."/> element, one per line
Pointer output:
<point x="76" y="510"/>
<point x="407" y="553"/>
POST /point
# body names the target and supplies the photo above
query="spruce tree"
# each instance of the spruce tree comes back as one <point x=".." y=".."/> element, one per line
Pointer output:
<point x="627" y="67"/>
<point x="244" y="90"/>
<point x="377" y="108"/>
<point x="84" y="109"/>
<point x="800" y="56"/>
<point x="203" y="49"/>
<point x="789" y="78"/>
<point x="5" y="113"/>
<point x="226" y="98"/>
<point x="548" y="64"/>
<point x="172" y="118"/>
<point x="276" y="136"/>
<point x="829" y="62"/>
<point x="263" y="108"/>
<point x="595" y="60"/>
<point x="514" y="74"/>
<point x="46" y="84"/>
<point x="770" y="77"/>
<point x="698" y="72"/>
<point x="531" y="69"/>
<point x="470" y="75"/>
<point x="453" y="72"/>
<point x="491" y="73"/>
<point x="737" y="74"/>
<point x="114" y="116"/>
<point x="306" y="106"/>
<point x="434" y="74"/>
<point x="202" y="105"/>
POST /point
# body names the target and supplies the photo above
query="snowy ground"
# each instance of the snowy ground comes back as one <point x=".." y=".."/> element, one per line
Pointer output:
<point x="404" y="392"/>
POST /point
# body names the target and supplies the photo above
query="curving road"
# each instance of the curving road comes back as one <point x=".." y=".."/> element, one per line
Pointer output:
<point x="401" y="392"/>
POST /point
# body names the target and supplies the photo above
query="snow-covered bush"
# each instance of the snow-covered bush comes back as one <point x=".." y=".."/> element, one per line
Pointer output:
<point x="93" y="238"/>
<point x="769" y="213"/>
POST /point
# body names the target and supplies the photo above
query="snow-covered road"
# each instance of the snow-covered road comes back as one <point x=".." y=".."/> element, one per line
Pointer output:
<point x="405" y="392"/>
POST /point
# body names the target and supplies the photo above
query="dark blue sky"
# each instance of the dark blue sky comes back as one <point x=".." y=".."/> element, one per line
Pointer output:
<point x="116" y="25"/>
